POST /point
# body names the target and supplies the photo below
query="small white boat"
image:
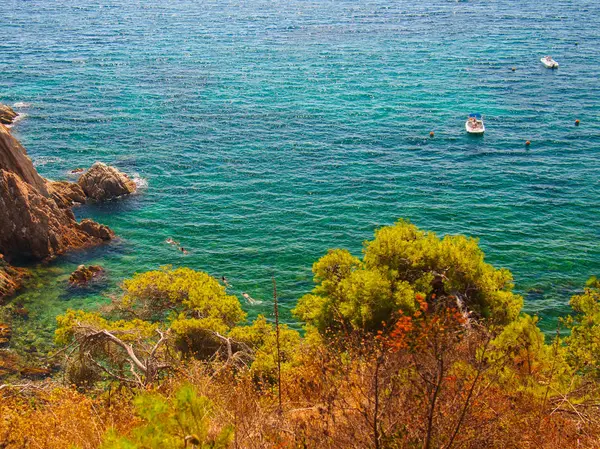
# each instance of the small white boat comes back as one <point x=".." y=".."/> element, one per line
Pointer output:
<point x="474" y="124"/>
<point x="549" y="63"/>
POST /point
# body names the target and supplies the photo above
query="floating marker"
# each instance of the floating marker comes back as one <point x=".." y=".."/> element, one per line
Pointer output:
<point x="514" y="68"/>
<point x="577" y="122"/>
<point x="527" y="143"/>
<point x="431" y="134"/>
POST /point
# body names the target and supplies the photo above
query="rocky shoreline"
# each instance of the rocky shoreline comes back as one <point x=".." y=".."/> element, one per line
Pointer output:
<point x="37" y="222"/>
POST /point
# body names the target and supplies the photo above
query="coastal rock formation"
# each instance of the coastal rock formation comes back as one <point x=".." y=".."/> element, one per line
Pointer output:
<point x="13" y="158"/>
<point x="34" y="226"/>
<point x="66" y="193"/>
<point x="82" y="275"/>
<point x="10" y="278"/>
<point x="96" y="230"/>
<point x="36" y="221"/>
<point x="103" y="182"/>
<point x="7" y="114"/>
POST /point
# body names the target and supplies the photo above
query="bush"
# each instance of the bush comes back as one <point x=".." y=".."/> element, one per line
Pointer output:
<point x="399" y="263"/>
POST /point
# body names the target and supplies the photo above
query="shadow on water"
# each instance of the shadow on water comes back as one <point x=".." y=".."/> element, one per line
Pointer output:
<point x="122" y="205"/>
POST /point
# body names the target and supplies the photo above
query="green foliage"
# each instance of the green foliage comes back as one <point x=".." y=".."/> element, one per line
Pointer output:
<point x="261" y="338"/>
<point x="200" y="306"/>
<point x="129" y="330"/>
<point x="152" y="293"/>
<point x="583" y="344"/>
<point x="523" y="361"/>
<point x="168" y="423"/>
<point x="193" y="306"/>
<point x="399" y="263"/>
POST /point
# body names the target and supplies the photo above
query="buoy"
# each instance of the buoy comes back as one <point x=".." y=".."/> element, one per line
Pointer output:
<point x="514" y="68"/>
<point x="431" y="134"/>
<point x="527" y="143"/>
<point x="577" y="122"/>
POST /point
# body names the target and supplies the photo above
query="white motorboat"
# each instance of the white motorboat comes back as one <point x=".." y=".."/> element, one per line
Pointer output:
<point x="474" y="124"/>
<point x="549" y="63"/>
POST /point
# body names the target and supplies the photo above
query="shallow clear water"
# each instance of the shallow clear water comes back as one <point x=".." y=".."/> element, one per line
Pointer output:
<point x="270" y="131"/>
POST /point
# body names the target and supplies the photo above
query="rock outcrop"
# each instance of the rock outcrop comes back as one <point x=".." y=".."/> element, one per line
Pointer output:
<point x="66" y="193"/>
<point x="34" y="226"/>
<point x="36" y="221"/>
<point x="103" y="182"/>
<point x="10" y="278"/>
<point x="97" y="230"/>
<point x="82" y="275"/>
<point x="14" y="159"/>
<point x="7" y="115"/>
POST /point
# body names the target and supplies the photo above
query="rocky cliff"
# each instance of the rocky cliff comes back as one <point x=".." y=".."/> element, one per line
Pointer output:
<point x="13" y="158"/>
<point x="36" y="221"/>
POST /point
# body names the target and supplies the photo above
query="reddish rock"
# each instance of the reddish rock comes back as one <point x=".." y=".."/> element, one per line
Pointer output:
<point x="7" y="114"/>
<point x="14" y="159"/>
<point x="65" y="193"/>
<point x="10" y="278"/>
<point x="34" y="226"/>
<point x="36" y="222"/>
<point x="103" y="182"/>
<point x="96" y="230"/>
<point x="82" y="275"/>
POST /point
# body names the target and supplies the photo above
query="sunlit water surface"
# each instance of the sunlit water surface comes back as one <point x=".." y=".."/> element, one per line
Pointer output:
<point x="266" y="132"/>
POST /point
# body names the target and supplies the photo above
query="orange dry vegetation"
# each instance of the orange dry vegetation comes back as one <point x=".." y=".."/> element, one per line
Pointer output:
<point x="324" y="406"/>
<point x="51" y="416"/>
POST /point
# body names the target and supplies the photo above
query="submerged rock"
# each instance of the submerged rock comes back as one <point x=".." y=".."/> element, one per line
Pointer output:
<point x="7" y="114"/>
<point x="82" y="275"/>
<point x="35" y="372"/>
<point x="5" y="334"/>
<point x="9" y="363"/>
<point x="103" y="182"/>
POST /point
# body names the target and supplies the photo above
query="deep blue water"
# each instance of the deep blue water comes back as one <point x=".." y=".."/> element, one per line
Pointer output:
<point x="270" y="131"/>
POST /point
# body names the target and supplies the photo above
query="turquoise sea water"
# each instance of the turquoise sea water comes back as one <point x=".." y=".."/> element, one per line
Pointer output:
<point x="270" y="131"/>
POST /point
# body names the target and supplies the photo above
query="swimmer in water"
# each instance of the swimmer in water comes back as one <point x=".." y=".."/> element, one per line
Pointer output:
<point x="225" y="281"/>
<point x="250" y="299"/>
<point x="170" y="241"/>
<point x="183" y="250"/>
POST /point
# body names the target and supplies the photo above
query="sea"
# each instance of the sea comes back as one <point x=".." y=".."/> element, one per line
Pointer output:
<point x="262" y="133"/>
